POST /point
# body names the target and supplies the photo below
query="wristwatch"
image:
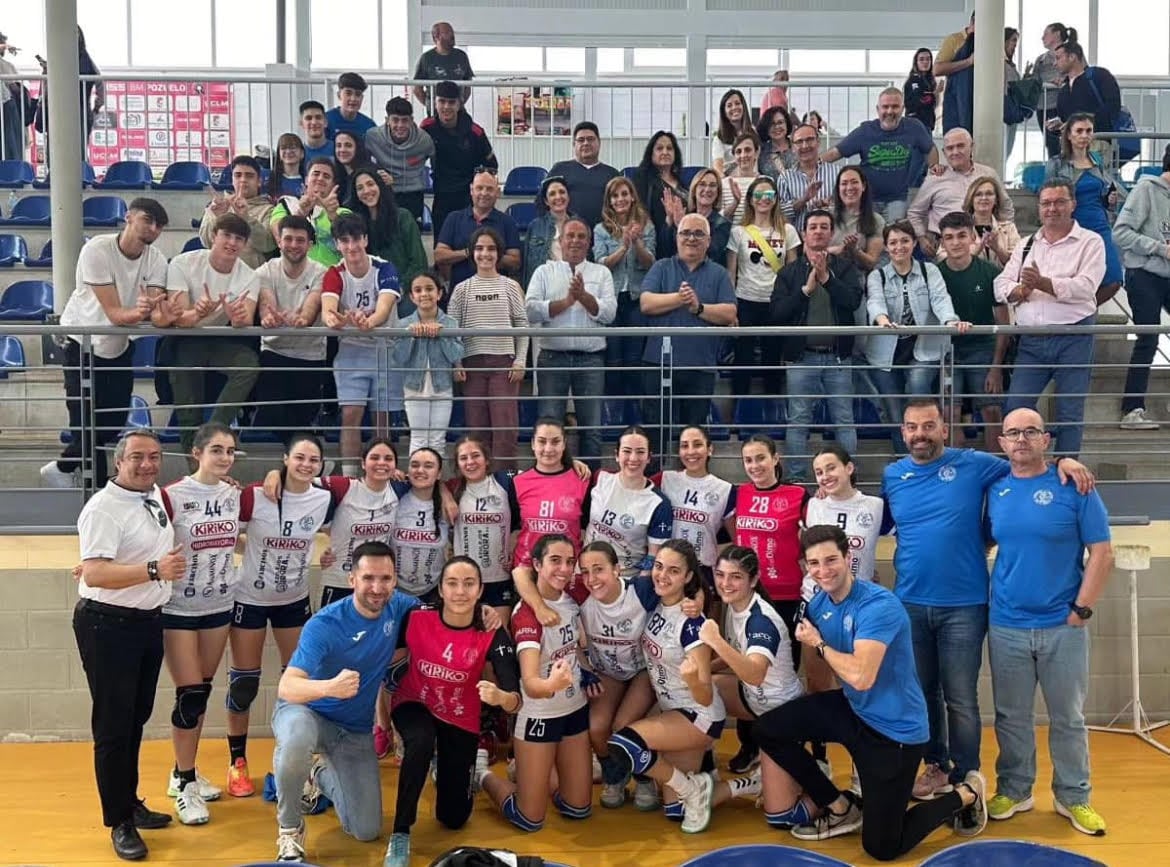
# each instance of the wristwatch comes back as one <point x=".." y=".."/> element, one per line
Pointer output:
<point x="1082" y="611"/>
<point x="152" y="570"/>
<point x="821" y="649"/>
<point x="699" y="312"/>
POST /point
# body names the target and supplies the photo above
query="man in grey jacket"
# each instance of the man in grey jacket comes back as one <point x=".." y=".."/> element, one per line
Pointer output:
<point x="403" y="149"/>
<point x="1142" y="232"/>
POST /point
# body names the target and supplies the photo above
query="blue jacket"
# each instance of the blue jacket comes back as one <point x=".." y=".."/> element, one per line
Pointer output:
<point x="929" y="301"/>
<point x="413" y="355"/>
<point x="537" y="241"/>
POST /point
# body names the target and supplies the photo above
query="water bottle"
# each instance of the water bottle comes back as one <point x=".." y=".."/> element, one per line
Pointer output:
<point x="12" y="200"/>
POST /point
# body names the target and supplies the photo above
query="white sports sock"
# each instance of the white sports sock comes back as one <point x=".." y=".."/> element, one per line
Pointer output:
<point x="682" y="784"/>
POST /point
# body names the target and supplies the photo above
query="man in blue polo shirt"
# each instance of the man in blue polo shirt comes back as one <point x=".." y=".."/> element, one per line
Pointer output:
<point x="1042" y="593"/>
<point x="687" y="290"/>
<point x="326" y="704"/>
<point x="935" y="497"/>
<point x="451" y="243"/>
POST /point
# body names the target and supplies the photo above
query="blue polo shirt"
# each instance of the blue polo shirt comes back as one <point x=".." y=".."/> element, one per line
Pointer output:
<point x="338" y="637"/>
<point x="335" y="122"/>
<point x="887" y="156"/>
<point x="894" y="704"/>
<point x="712" y="285"/>
<point x="938" y="511"/>
<point x="456" y="232"/>
<point x="1042" y="528"/>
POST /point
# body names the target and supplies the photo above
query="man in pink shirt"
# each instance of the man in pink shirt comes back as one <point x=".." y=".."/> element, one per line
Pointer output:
<point x="1052" y="279"/>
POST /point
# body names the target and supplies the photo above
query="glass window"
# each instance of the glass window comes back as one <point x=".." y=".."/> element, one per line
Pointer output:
<point x="24" y="24"/>
<point x="245" y="33"/>
<point x="671" y="57"/>
<point x="104" y="25"/>
<point x="896" y="63"/>
<point x="153" y="40"/>
<point x="611" y="61"/>
<point x="565" y="60"/>
<point x="831" y="62"/>
<point x="337" y="43"/>
<point x="394" y="47"/>
<point x="739" y="57"/>
<point x="505" y="58"/>
<point x="1126" y="49"/>
<point x="1038" y="14"/>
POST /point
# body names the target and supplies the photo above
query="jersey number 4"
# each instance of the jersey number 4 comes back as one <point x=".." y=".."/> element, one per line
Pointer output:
<point x="448" y="653"/>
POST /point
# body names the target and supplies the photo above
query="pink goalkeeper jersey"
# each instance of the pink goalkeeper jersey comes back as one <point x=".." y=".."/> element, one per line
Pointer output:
<point x="549" y="503"/>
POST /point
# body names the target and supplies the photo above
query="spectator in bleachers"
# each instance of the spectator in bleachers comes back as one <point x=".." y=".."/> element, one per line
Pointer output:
<point x="776" y="97"/>
<point x="920" y="92"/>
<point x="211" y="287"/>
<point x="12" y="105"/>
<point x="734" y="120"/>
<point x="291" y="367"/>
<point x="453" y="253"/>
<point x="887" y="147"/>
<point x="1052" y="280"/>
<point x="704" y="199"/>
<point x="859" y="228"/>
<point x="1011" y="42"/>
<point x="361" y="293"/>
<point x="818" y="289"/>
<point x="402" y="149"/>
<point x="586" y="176"/>
<point x="444" y="62"/>
<point x="810" y="184"/>
<point x="571" y="292"/>
<point x="1145" y="248"/>
<point x="316" y="142"/>
<point x="392" y="233"/>
<point x="462" y="150"/>
<point x="944" y="189"/>
<point x="995" y="237"/>
<point x="760" y="246"/>
<point x="349" y="152"/>
<point x="493" y="367"/>
<point x="740" y="175"/>
<point x="776" y="153"/>
<point x="955" y="61"/>
<point x="248" y="202"/>
<point x="816" y="121"/>
<point x="624" y="243"/>
<point x="347" y="115"/>
<point x="319" y="205"/>
<point x="1091" y="90"/>
<point x="288" y="170"/>
<point x="1098" y="190"/>
<point x="1046" y="69"/>
<point x="688" y="291"/>
<point x="118" y="280"/>
<point x="542" y="241"/>
<point x="657" y="180"/>
<point x="91" y="92"/>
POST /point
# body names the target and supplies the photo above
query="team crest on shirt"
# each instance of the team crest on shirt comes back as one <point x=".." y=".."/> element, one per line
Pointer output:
<point x="566" y="504"/>
<point x="947" y="474"/>
<point x="865" y="520"/>
<point x="626" y="521"/>
<point x="625" y="626"/>
<point x="388" y="628"/>
<point x="1042" y="497"/>
<point x="711" y="498"/>
<point x="848" y="622"/>
<point x="308" y="522"/>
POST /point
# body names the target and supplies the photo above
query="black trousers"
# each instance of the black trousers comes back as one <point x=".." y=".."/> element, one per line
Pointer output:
<point x="413" y="202"/>
<point x="108" y="396"/>
<point x="886" y="768"/>
<point x="771" y="367"/>
<point x="689" y="404"/>
<point x="121" y="651"/>
<point x="423" y="736"/>
<point x="282" y="381"/>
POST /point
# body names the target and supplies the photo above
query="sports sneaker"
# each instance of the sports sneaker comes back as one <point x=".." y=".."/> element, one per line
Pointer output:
<point x="1083" y="817"/>
<point x="646" y="795"/>
<point x="747" y="787"/>
<point x="207" y="791"/>
<point x="697" y="805"/>
<point x="613" y="795"/>
<point x="290" y="843"/>
<point x="398" y="851"/>
<point x="933" y="782"/>
<point x="1002" y="807"/>
<point x="481" y="769"/>
<point x="1135" y="419"/>
<point x="189" y="806"/>
<point x="383" y="742"/>
<point x="53" y="476"/>
<point x="830" y="824"/>
<point x="744" y="761"/>
<point x="855" y="782"/>
<point x="971" y="820"/>
<point x="239" y="783"/>
<point x="311" y="792"/>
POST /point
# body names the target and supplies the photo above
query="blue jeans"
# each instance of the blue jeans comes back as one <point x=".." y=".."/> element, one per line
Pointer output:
<point x="896" y="384"/>
<point x="893" y="211"/>
<point x="350" y="777"/>
<point x="582" y="374"/>
<point x="1065" y="359"/>
<point x="1057" y="659"/>
<point x="818" y="373"/>
<point x="948" y="650"/>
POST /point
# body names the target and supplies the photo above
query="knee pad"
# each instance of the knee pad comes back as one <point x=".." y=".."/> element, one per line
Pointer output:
<point x="512" y="813"/>
<point x="613" y="769"/>
<point x="243" y="685"/>
<point x="627" y="746"/>
<point x="796" y="815"/>
<point x="673" y="811"/>
<point x="568" y="810"/>
<point x="190" y="705"/>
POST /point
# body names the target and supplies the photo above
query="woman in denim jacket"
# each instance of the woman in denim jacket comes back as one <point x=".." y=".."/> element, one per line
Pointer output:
<point x="426" y="357"/>
<point x="542" y="240"/>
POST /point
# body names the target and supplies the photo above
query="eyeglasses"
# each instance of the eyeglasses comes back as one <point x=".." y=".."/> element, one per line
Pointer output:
<point x="804" y="141"/>
<point x="1056" y="203"/>
<point x="156" y="511"/>
<point x="764" y="195"/>
<point x="1028" y="433"/>
<point x="692" y="234"/>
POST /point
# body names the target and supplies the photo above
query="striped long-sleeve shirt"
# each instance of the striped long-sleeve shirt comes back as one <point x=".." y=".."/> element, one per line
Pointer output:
<point x="491" y="302"/>
<point x="794" y="182"/>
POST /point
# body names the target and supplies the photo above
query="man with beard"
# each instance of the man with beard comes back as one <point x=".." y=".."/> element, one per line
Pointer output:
<point x="444" y="62"/>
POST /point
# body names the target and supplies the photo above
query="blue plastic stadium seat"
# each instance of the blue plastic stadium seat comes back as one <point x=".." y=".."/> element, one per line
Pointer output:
<point x="27" y="301"/>
<point x="143" y="360"/>
<point x="1008" y="853"/>
<point x="428" y="224"/>
<point x="525" y="180"/>
<point x="15" y="174"/>
<point x="455" y="427"/>
<point x="45" y="260"/>
<point x="137" y="418"/>
<point x="528" y="415"/>
<point x="195" y="243"/>
<point x="126" y="175"/>
<point x="430" y="188"/>
<point x="87" y="178"/>
<point x="718" y="431"/>
<point x="1147" y="170"/>
<point x="522" y="213"/>
<point x="13" y="249"/>
<point x="688" y="174"/>
<point x="766" y="855"/>
<point x="1032" y="176"/>
<point x="630" y="171"/>
<point x="30" y="211"/>
<point x="184" y="176"/>
<point x="11" y="355"/>
<point x="618" y="413"/>
<point x="868" y="419"/>
<point x="759" y="415"/>
<point x="103" y="211"/>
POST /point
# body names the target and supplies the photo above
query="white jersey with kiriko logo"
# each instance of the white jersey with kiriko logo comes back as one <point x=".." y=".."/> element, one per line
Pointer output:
<point x="630" y="520"/>
<point x="554" y="643"/>
<point x="700" y="507"/>
<point x="668" y="637"/>
<point x="483" y="530"/>
<point x="362" y="515"/>
<point x="861" y="518"/>
<point x="279" y="544"/>
<point x="758" y="629"/>
<point x="206" y="520"/>
<point x="420" y="547"/>
<point x="615" y="629"/>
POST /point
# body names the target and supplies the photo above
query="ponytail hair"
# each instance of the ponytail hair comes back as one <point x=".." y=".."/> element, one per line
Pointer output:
<point x="542" y="545"/>
<point x="437" y="489"/>
<point x="604" y="548"/>
<point x="475" y="439"/>
<point x="477" y="615"/>
<point x="747" y="559"/>
<point x="686" y="550"/>
<point x="549" y="421"/>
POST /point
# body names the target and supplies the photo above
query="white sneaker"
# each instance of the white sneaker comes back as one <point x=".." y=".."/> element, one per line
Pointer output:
<point x="311" y="792"/>
<point x="646" y="795"/>
<point x="397" y="851"/>
<point x="481" y="769"/>
<point x="613" y="795"/>
<point x="1135" y="419"/>
<point x="54" y="477"/>
<point x="697" y="805"/>
<point x="207" y="791"/>
<point x="747" y="787"/>
<point x="190" y="807"/>
<point x="855" y="782"/>
<point x="830" y="824"/>
<point x="596" y="769"/>
<point x="290" y="844"/>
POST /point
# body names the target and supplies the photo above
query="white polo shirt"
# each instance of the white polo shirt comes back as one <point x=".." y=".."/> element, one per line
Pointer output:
<point x="120" y="525"/>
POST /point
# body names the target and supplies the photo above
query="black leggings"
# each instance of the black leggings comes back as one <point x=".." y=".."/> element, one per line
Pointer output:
<point x="886" y="769"/>
<point x="424" y="736"/>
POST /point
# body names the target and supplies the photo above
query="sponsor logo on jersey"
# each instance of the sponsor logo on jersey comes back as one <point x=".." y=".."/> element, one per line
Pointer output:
<point x="482" y="518"/>
<point x="214" y="543"/>
<point x="601" y="529"/>
<point x="190" y="507"/>
<point x="401" y="535"/>
<point x="758" y="636"/>
<point x="547" y="525"/>
<point x="767" y="525"/>
<point x="689" y="516"/>
<point x="1042" y="497"/>
<point x="213" y="528"/>
<point x="441" y="672"/>
<point x="368" y="531"/>
<point x="358" y="636"/>
<point x="278" y="543"/>
<point x="651" y="648"/>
